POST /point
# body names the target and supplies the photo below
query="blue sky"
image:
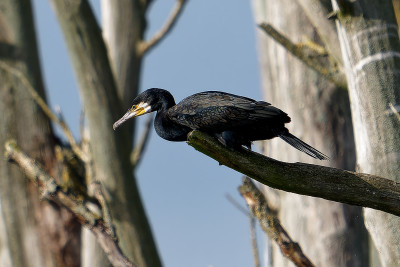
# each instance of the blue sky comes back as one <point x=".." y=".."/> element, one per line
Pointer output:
<point x="212" y="47"/>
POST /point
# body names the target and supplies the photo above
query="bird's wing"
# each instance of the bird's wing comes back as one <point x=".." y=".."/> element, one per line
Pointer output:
<point x="221" y="111"/>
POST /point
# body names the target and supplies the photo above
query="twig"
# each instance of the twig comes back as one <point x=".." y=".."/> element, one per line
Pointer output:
<point x="396" y="113"/>
<point x="329" y="183"/>
<point x="51" y="191"/>
<point x="302" y="53"/>
<point x="137" y="152"/>
<point x="81" y="123"/>
<point x="270" y="223"/>
<point x="254" y="245"/>
<point x="144" y="46"/>
<point x="252" y="228"/>
<point x="98" y="194"/>
<point x="237" y="205"/>
<point x="42" y="104"/>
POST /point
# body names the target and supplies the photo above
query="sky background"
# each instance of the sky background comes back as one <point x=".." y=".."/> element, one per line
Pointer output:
<point x="212" y="47"/>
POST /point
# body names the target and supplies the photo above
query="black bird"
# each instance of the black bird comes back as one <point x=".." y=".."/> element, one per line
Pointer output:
<point x="235" y="120"/>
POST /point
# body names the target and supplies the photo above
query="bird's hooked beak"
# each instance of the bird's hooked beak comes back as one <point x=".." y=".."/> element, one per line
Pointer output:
<point x="134" y="111"/>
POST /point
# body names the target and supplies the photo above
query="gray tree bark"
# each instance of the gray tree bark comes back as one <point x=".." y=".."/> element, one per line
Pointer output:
<point x="121" y="41"/>
<point x="370" y="47"/>
<point x="331" y="234"/>
<point x="31" y="233"/>
<point x="110" y="150"/>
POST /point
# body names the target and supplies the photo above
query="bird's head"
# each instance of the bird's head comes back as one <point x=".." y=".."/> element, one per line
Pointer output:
<point x="150" y="100"/>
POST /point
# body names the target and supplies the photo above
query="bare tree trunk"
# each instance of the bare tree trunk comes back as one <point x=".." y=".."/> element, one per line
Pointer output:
<point x="121" y="40"/>
<point x="370" y="46"/>
<point x="102" y="107"/>
<point x="31" y="233"/>
<point x="331" y="234"/>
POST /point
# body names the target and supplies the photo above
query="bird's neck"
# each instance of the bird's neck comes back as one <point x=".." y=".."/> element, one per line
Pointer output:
<point x="168" y="129"/>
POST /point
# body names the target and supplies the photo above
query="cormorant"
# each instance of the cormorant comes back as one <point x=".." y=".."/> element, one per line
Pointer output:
<point x="235" y="120"/>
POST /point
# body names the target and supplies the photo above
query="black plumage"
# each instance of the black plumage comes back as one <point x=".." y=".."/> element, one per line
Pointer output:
<point x="235" y="120"/>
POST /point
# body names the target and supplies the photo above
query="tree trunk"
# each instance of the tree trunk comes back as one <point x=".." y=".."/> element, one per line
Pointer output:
<point x="121" y="41"/>
<point x="110" y="150"/>
<point x="330" y="233"/>
<point x="370" y="46"/>
<point x="32" y="233"/>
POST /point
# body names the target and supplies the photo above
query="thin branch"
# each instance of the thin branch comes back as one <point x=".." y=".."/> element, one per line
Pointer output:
<point x="42" y="104"/>
<point x="254" y="245"/>
<point x="306" y="179"/>
<point x="303" y="53"/>
<point x="144" y="46"/>
<point x="99" y="195"/>
<point x="396" y="113"/>
<point x="237" y="205"/>
<point x="81" y="124"/>
<point x="253" y="235"/>
<point x="51" y="191"/>
<point x="270" y="223"/>
<point x="317" y="13"/>
<point x="137" y="152"/>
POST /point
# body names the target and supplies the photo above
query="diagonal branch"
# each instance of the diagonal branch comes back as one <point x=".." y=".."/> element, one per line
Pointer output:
<point x="253" y="234"/>
<point x="42" y="104"/>
<point x="254" y="245"/>
<point x="329" y="71"/>
<point x="99" y="195"/>
<point x="317" y="12"/>
<point x="145" y="46"/>
<point x="51" y="191"/>
<point x="270" y="223"/>
<point x="306" y="179"/>
<point x="394" y="110"/>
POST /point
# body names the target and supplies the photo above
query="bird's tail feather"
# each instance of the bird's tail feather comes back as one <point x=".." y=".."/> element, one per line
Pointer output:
<point x="300" y="145"/>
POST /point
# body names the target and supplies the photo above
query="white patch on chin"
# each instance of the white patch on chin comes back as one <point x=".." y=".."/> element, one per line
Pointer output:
<point x="144" y="106"/>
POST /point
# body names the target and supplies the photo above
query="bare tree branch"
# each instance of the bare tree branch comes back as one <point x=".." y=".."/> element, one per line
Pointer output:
<point x="329" y="71"/>
<point x="42" y="104"/>
<point x="253" y="235"/>
<point x="144" y="46"/>
<point x="254" y="245"/>
<point x="394" y="110"/>
<point x="99" y="195"/>
<point x="270" y="223"/>
<point x="51" y="191"/>
<point x="306" y="179"/>
<point x="237" y="205"/>
<point x="317" y="12"/>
